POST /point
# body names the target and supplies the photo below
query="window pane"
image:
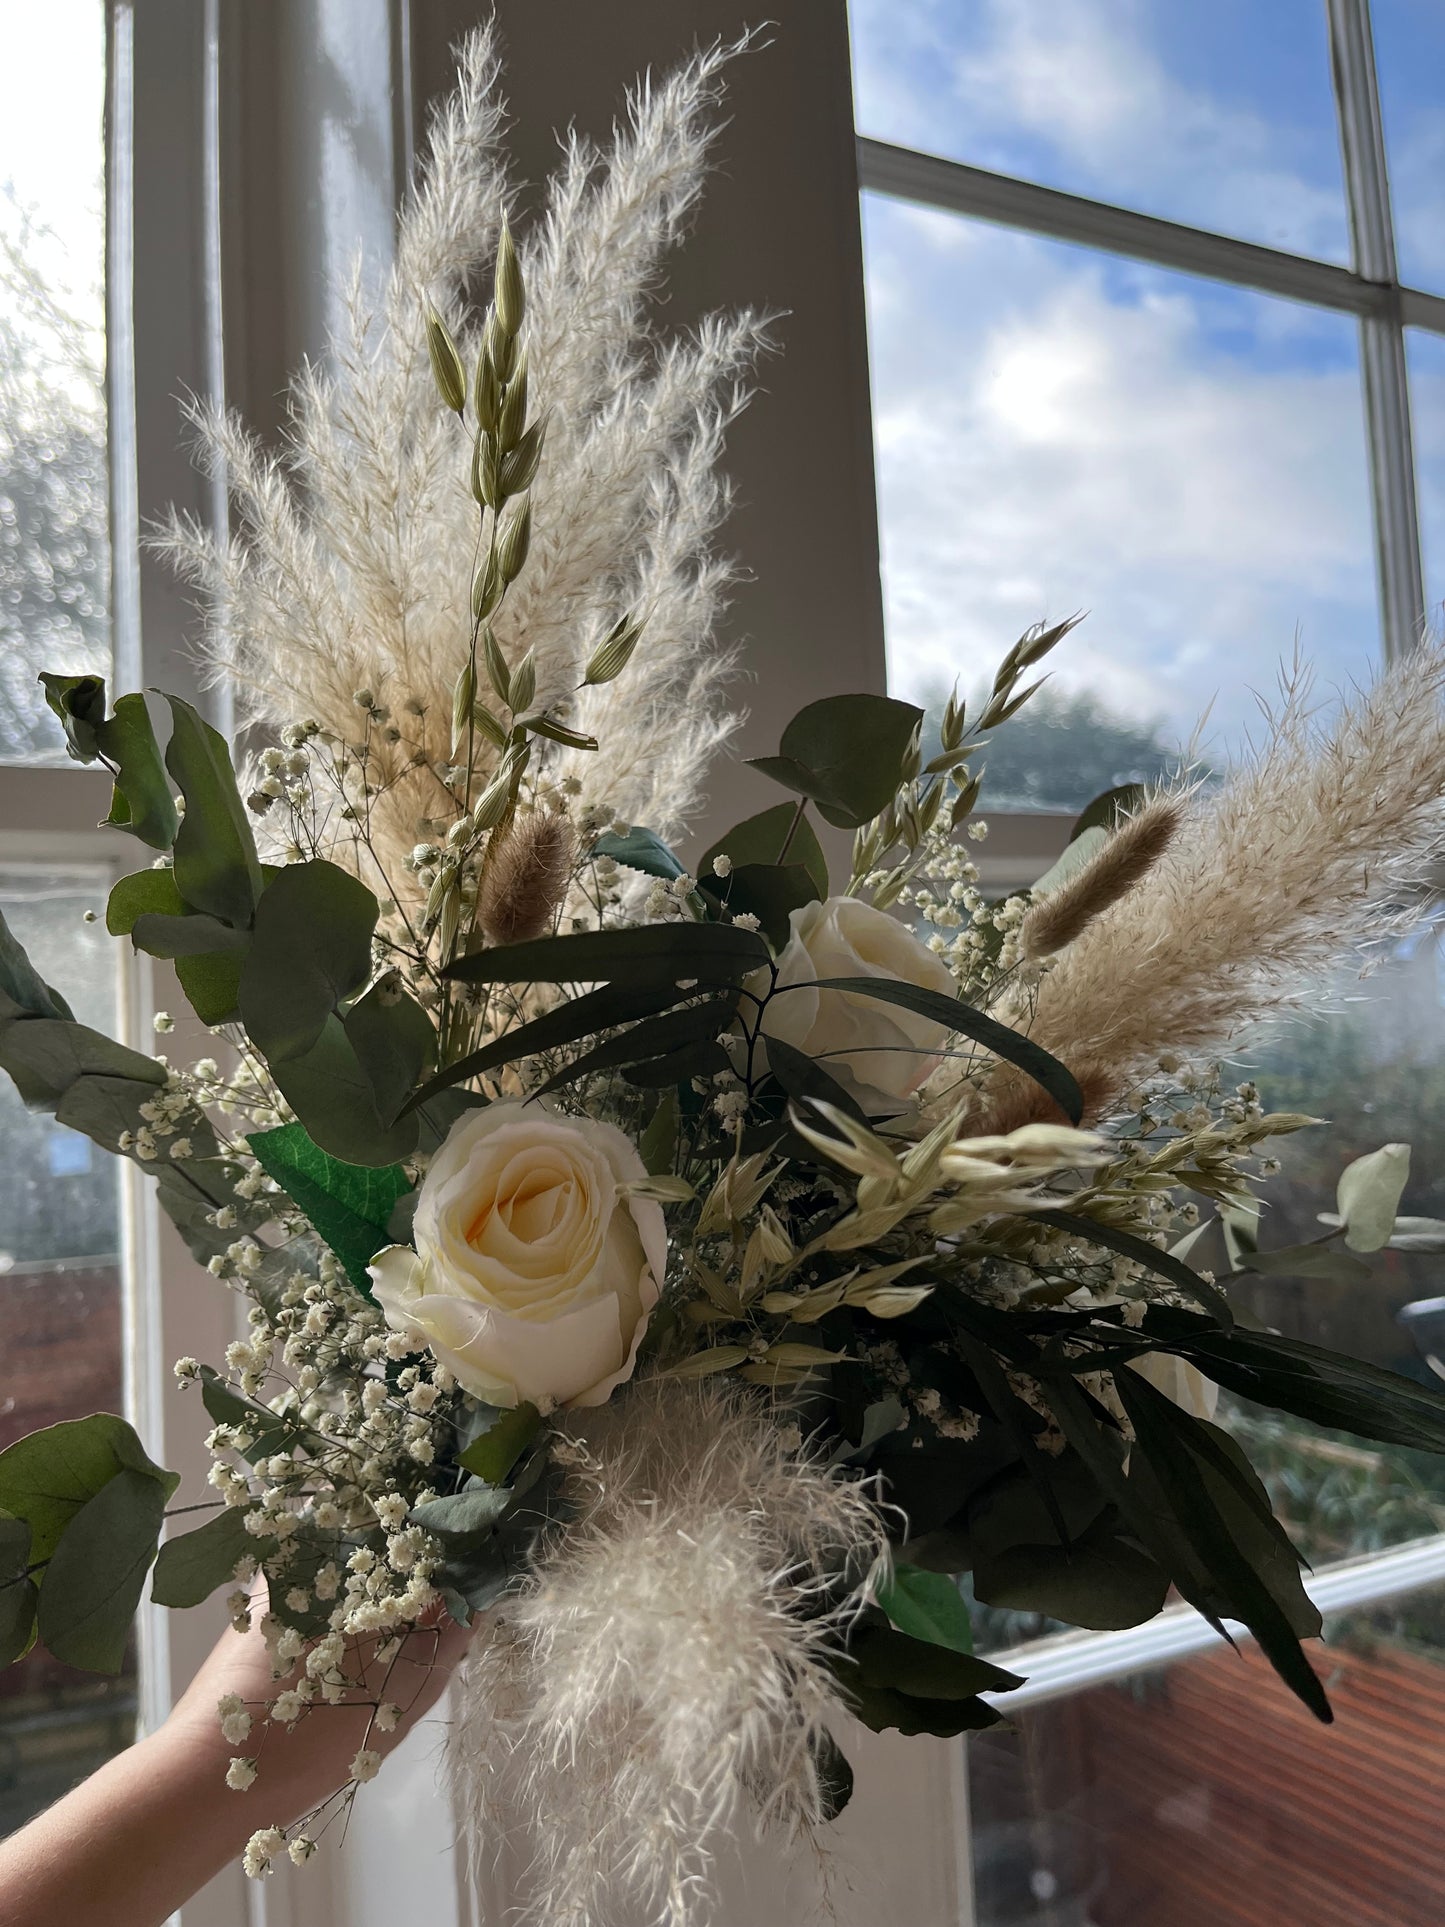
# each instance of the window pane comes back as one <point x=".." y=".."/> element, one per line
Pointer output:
<point x="1219" y="116"/>
<point x="1409" y="58"/>
<point x="1425" y="354"/>
<point x="1203" y="1795"/>
<point x="60" y="1325"/>
<point x="54" y="543"/>
<point x="1059" y="430"/>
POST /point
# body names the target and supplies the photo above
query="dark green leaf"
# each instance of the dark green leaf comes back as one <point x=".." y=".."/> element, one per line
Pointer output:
<point x="93" y="1582"/>
<point x="806" y="1081"/>
<point x="142" y="893"/>
<point x="17" y="1619"/>
<point x="493" y="1453"/>
<point x="212" y="985"/>
<point x="216" y="866"/>
<point x="640" y="850"/>
<point x="845" y="753"/>
<point x="1220" y="1576"/>
<point x="658" y="1143"/>
<point x="769" y="892"/>
<point x="79" y="702"/>
<point x="680" y="1066"/>
<point x="567" y="1023"/>
<point x="23" y="985"/>
<point x="142" y="802"/>
<point x="1101" y="1580"/>
<point x="393" y="1039"/>
<point x="46" y="1477"/>
<point x="310" y="949"/>
<point x="349" y="1205"/>
<point x="963" y="1019"/>
<point x="191" y="1567"/>
<point x="1106" y="811"/>
<point x="835" y="1776"/>
<point x="677" y="1030"/>
<point x="925" y="1669"/>
<point x="715" y="953"/>
<point x="927" y="1606"/>
<point x="761" y="839"/>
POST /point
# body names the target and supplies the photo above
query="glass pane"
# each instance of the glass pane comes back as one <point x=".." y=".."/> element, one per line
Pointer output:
<point x="1059" y="430"/>
<point x="1203" y="1795"/>
<point x="1425" y="354"/>
<point x="54" y="541"/>
<point x="60" y="1325"/>
<point x="1220" y="116"/>
<point x="1409" y="58"/>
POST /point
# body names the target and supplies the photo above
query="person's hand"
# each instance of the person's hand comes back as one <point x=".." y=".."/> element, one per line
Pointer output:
<point x="299" y="1766"/>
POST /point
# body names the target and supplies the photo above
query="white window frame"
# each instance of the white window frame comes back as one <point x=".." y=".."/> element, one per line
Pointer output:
<point x="1371" y="290"/>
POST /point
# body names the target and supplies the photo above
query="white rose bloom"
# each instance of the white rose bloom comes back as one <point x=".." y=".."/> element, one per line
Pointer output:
<point x="878" y="1052"/>
<point x="1177" y="1379"/>
<point x="532" y="1278"/>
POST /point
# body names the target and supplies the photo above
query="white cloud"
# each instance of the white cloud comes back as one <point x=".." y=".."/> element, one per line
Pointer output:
<point x="1055" y="432"/>
<point x="1085" y="94"/>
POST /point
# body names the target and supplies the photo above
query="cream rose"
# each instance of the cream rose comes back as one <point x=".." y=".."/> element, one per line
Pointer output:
<point x="878" y="1052"/>
<point x="534" y="1274"/>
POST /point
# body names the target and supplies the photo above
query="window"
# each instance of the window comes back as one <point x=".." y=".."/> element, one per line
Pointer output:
<point x="1140" y="346"/>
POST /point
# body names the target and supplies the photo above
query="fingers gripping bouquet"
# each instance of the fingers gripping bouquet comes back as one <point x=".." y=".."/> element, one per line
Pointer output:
<point x="686" y="1277"/>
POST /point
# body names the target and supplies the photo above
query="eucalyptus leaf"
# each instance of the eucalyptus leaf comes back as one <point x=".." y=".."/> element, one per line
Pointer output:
<point x="393" y="1039"/>
<point x="18" y="1599"/>
<point x="189" y="1568"/>
<point x="79" y="702"/>
<point x="770" y="892"/>
<point x="1101" y="1580"/>
<point x="52" y="1052"/>
<point x="1082" y="850"/>
<point x="141" y="802"/>
<point x="22" y="983"/>
<point x="93" y="1583"/>
<point x="1368" y="1196"/>
<point x="640" y="849"/>
<point x="1107" y="810"/>
<point x="332" y="1097"/>
<point x="48" y="1476"/>
<point x="765" y="838"/>
<point x="216" y="866"/>
<point x="310" y="949"/>
<point x="1306" y="1261"/>
<point x="845" y="753"/>
<point x="463" y="1515"/>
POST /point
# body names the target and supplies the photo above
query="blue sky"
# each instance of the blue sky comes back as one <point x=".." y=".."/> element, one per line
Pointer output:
<point x="1058" y="429"/>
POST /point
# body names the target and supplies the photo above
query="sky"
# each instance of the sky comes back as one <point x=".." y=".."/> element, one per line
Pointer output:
<point x="1058" y="429"/>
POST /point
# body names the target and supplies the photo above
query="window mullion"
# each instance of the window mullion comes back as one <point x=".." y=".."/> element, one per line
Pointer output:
<point x="1382" y="335"/>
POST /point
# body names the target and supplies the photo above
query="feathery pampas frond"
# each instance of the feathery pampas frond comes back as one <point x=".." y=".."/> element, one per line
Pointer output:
<point x="1119" y="866"/>
<point x="665" y="1670"/>
<point x="351" y="561"/>
<point x="1305" y="855"/>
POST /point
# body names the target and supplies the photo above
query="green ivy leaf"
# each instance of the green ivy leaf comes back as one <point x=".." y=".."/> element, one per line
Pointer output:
<point x="216" y="866"/>
<point x="348" y="1204"/>
<point x="93" y="1583"/>
<point x="845" y="753"/>
<point x="927" y="1606"/>
<point x="190" y="1568"/>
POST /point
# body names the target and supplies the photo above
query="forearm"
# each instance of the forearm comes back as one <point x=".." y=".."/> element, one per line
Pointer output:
<point x="135" y="1841"/>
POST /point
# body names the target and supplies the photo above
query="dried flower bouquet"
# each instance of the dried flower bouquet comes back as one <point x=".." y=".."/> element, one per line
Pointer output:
<point x="684" y="1276"/>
